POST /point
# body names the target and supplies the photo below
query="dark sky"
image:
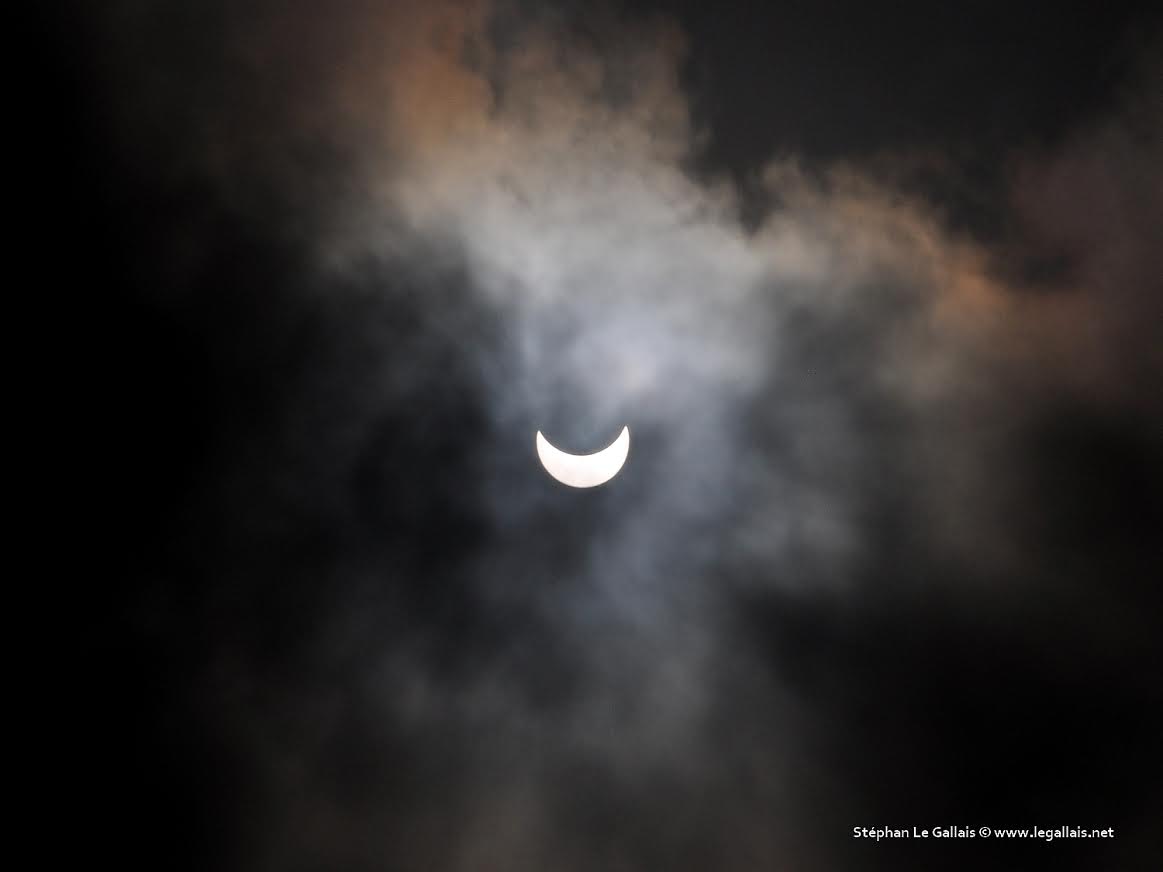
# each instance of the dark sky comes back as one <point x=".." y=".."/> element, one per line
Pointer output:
<point x="852" y="78"/>
<point x="874" y="288"/>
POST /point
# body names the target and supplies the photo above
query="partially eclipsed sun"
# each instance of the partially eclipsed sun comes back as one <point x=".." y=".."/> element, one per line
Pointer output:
<point x="584" y="470"/>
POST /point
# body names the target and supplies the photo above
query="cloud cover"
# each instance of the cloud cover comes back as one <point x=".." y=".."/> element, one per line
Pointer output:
<point x="881" y="553"/>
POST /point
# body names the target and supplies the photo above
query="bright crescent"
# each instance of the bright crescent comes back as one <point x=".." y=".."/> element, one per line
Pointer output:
<point x="584" y="470"/>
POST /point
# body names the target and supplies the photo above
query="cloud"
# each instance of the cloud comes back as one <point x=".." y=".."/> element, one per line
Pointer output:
<point x="441" y="227"/>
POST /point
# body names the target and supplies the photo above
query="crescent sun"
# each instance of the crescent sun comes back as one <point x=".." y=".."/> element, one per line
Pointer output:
<point x="584" y="470"/>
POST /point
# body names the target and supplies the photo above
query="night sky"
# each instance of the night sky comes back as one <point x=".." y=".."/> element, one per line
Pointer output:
<point x="876" y="290"/>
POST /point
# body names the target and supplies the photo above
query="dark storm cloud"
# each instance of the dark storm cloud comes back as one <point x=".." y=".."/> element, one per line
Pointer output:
<point x="881" y="552"/>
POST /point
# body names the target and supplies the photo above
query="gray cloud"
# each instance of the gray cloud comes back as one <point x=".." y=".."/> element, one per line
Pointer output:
<point x="426" y="655"/>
